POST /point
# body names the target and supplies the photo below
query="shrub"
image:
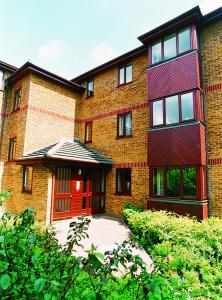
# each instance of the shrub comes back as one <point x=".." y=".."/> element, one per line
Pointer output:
<point x="187" y="254"/>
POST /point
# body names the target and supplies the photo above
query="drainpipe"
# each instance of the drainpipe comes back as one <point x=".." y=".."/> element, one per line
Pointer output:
<point x="206" y="133"/>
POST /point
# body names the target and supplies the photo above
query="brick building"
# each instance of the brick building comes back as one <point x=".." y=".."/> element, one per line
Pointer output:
<point x="144" y="128"/>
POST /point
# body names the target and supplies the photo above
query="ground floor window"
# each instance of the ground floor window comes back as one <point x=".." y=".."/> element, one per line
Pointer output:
<point x="174" y="182"/>
<point x="27" y="179"/>
<point x="123" y="181"/>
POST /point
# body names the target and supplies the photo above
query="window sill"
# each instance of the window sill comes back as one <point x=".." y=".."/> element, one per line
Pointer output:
<point x="123" y="137"/>
<point x="120" y="194"/>
<point x="27" y="191"/>
<point x="87" y="142"/>
<point x="123" y="84"/>
<point x="16" y="110"/>
<point x="91" y="96"/>
<point x="173" y="198"/>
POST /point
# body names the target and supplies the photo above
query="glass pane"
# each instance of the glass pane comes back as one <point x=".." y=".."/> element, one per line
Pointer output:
<point x="187" y="106"/>
<point x="172" y="110"/>
<point x="89" y="132"/>
<point x="170" y="46"/>
<point x="157" y="112"/>
<point x="173" y="182"/>
<point x="156" y="53"/>
<point x="103" y="182"/>
<point x="184" y="40"/>
<point x="121" y="125"/>
<point x="129" y="75"/>
<point x="128" y="180"/>
<point x="84" y="203"/>
<point x="128" y="123"/>
<point x="189" y="182"/>
<point x="119" y="187"/>
<point x="121" y="75"/>
<point x="90" y="88"/>
<point x="158" y="181"/>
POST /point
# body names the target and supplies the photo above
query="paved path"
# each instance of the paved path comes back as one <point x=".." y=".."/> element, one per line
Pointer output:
<point x="104" y="232"/>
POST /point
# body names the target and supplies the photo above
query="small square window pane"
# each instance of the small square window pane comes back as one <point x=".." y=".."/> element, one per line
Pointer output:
<point x="187" y="106"/>
<point x="156" y="53"/>
<point x="129" y="75"/>
<point x="184" y="40"/>
<point x="158" y="182"/>
<point x="170" y="46"/>
<point x="172" y="110"/>
<point x="121" y="75"/>
<point x="157" y="112"/>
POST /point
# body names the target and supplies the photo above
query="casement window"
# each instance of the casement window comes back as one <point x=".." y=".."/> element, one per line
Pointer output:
<point x="1" y="81"/>
<point x="90" y="88"/>
<point x="176" y="182"/>
<point x="125" y="74"/>
<point x="27" y="179"/>
<point x="123" y="181"/>
<point x="174" y="109"/>
<point x="124" y="125"/>
<point x="88" y="132"/>
<point x="171" y="46"/>
<point x="17" y="99"/>
<point x="12" y="146"/>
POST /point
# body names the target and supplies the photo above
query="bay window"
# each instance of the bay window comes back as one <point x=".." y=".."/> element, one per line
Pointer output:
<point x="173" y="109"/>
<point x="158" y="182"/>
<point x="184" y="40"/>
<point x="170" y="47"/>
<point x="156" y="53"/>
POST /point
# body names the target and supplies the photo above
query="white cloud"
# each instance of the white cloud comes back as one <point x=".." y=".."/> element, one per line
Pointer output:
<point x="52" y="49"/>
<point x="102" y="53"/>
<point x="209" y="5"/>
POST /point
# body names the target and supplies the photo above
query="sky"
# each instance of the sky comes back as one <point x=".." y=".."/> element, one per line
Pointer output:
<point x="70" y="37"/>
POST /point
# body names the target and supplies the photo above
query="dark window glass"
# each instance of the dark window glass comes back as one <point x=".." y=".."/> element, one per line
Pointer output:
<point x="90" y="88"/>
<point x="172" y="110"/>
<point x="187" y="106"/>
<point x="124" y="125"/>
<point x="11" y="154"/>
<point x="83" y="202"/>
<point x="170" y="47"/>
<point x="189" y="182"/>
<point x="156" y="53"/>
<point x="88" y="132"/>
<point x="27" y="179"/>
<point x="184" y="40"/>
<point x="129" y="74"/>
<point x="157" y="112"/>
<point x="17" y="97"/>
<point x="173" y="182"/>
<point x="158" y="182"/>
<point x="123" y="181"/>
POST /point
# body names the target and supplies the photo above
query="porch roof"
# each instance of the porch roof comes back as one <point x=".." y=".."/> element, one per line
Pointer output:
<point x="70" y="150"/>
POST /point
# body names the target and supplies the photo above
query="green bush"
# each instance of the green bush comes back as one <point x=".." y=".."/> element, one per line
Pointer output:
<point x="187" y="254"/>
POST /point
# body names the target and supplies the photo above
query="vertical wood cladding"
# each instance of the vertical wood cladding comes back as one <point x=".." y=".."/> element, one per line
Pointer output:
<point x="180" y="74"/>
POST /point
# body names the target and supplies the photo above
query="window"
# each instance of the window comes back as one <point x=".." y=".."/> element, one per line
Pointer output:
<point x="1" y="81"/>
<point x="174" y="109"/>
<point x="187" y="106"/>
<point x="90" y="88"/>
<point x="172" y="45"/>
<point x="123" y="181"/>
<point x="17" y="98"/>
<point x="156" y="53"/>
<point x="27" y="179"/>
<point x="184" y="40"/>
<point x="158" y="112"/>
<point x="179" y="182"/>
<point x="88" y="132"/>
<point x="125" y="74"/>
<point x="124" y="125"/>
<point x="11" y="153"/>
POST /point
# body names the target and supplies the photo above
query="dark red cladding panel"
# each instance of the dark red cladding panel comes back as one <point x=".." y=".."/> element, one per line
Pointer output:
<point x="178" y="146"/>
<point x="175" y="76"/>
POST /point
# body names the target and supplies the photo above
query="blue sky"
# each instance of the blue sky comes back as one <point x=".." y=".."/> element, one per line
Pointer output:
<point x="69" y="37"/>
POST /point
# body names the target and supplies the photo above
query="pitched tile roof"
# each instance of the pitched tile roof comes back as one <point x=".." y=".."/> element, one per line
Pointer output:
<point x="72" y="150"/>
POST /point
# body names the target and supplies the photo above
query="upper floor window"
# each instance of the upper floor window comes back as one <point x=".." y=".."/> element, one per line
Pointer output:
<point x="11" y="152"/>
<point x="1" y="80"/>
<point x="124" y="124"/>
<point x="123" y="181"/>
<point x="17" y="99"/>
<point x="171" y="46"/>
<point x="27" y="179"/>
<point x="125" y="74"/>
<point x="174" y="109"/>
<point x="90" y="88"/>
<point x="88" y="132"/>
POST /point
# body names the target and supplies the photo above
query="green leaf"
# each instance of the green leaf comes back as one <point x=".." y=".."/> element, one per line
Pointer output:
<point x="91" y="295"/>
<point x="99" y="255"/>
<point x="5" y="281"/>
<point x="39" y="285"/>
